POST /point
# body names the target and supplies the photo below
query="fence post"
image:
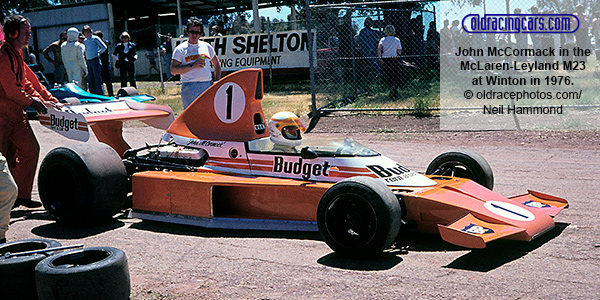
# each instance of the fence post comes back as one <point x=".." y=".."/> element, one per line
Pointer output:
<point x="314" y="114"/>
<point x="270" y="58"/>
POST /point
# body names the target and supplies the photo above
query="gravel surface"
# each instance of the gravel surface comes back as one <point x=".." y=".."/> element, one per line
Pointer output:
<point x="183" y="262"/>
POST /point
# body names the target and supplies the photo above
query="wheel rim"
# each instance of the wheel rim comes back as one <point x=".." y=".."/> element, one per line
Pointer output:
<point x="351" y="221"/>
<point x="455" y="169"/>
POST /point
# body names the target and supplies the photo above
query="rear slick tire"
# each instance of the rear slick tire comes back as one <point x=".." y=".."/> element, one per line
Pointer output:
<point x="90" y="273"/>
<point x="359" y="216"/>
<point x="83" y="183"/>
<point x="17" y="273"/>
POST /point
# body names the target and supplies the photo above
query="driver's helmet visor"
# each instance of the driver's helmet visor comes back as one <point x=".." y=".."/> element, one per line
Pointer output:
<point x="291" y="128"/>
<point x="291" y="132"/>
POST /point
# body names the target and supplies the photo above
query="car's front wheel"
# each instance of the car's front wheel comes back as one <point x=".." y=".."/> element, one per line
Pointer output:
<point x="463" y="163"/>
<point x="359" y="216"/>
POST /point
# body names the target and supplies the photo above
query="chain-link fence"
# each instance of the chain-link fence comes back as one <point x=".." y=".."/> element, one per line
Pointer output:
<point x="376" y="56"/>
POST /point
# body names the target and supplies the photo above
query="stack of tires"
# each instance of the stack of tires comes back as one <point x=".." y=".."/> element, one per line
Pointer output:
<point x="88" y="273"/>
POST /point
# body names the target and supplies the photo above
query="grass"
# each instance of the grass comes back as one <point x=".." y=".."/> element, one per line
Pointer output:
<point x="295" y="96"/>
<point x="280" y="99"/>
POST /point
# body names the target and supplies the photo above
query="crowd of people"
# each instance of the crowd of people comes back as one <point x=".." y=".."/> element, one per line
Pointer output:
<point x="388" y="52"/>
<point x="82" y="56"/>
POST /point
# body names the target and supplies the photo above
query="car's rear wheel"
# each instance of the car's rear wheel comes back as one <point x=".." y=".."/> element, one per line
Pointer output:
<point x="83" y="183"/>
<point x="464" y="164"/>
<point x="359" y="216"/>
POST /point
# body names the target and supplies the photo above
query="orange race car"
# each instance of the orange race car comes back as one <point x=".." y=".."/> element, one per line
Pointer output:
<point x="220" y="164"/>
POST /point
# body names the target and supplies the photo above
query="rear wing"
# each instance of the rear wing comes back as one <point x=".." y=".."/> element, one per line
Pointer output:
<point x="73" y="121"/>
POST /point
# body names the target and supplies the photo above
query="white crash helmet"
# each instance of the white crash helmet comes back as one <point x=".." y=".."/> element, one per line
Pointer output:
<point x="285" y="129"/>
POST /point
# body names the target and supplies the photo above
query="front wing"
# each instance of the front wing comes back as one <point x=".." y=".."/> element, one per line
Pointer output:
<point x="473" y="232"/>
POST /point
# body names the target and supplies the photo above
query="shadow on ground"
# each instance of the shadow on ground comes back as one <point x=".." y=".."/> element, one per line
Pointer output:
<point x="501" y="252"/>
<point x="191" y="230"/>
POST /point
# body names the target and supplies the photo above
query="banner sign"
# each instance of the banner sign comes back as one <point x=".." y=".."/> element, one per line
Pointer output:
<point x="288" y="49"/>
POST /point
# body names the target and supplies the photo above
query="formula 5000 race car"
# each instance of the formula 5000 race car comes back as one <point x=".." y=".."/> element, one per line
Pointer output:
<point x="218" y="168"/>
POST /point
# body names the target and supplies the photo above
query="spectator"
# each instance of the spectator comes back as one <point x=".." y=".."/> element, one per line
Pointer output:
<point x="433" y="45"/>
<point x="167" y="50"/>
<point x="582" y="37"/>
<point x="94" y="46"/>
<point x="105" y="67"/>
<point x="60" y="73"/>
<point x="415" y="46"/>
<point x="368" y="39"/>
<point x="221" y="28"/>
<point x="214" y="31"/>
<point x="126" y="54"/>
<point x="8" y="187"/>
<point x="8" y="196"/>
<point x="28" y="56"/>
<point x="190" y="60"/>
<point x="446" y="38"/>
<point x="345" y="33"/>
<point x="388" y="49"/>
<point x="457" y="40"/>
<point x="521" y="38"/>
<point x="568" y="43"/>
<point x="20" y="87"/>
<point x="151" y="56"/>
<point x="73" y="57"/>
<point x="596" y="34"/>
<point x="536" y="38"/>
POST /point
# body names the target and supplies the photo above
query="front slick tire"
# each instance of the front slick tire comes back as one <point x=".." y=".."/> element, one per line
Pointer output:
<point x="359" y="217"/>
<point x="463" y="163"/>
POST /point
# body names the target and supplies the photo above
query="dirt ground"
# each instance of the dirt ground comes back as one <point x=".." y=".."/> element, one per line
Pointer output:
<point x="426" y="130"/>
<point x="183" y="262"/>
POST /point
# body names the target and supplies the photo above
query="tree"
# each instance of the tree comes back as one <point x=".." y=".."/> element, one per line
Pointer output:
<point x="11" y="7"/>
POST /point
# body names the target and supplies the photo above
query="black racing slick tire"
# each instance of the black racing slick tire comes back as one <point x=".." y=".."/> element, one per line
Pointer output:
<point x="127" y="91"/>
<point x="83" y="183"/>
<point x="359" y="216"/>
<point x="463" y="163"/>
<point x="89" y="273"/>
<point x="17" y="273"/>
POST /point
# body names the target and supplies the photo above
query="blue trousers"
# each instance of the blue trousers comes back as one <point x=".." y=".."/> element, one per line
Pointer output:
<point x="95" y="76"/>
<point x="191" y="90"/>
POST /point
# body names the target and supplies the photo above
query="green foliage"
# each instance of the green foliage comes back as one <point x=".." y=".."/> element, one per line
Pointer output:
<point x="12" y="7"/>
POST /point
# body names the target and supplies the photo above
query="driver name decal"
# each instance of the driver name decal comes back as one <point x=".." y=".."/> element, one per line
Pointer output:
<point x="394" y="174"/>
<point x="299" y="167"/>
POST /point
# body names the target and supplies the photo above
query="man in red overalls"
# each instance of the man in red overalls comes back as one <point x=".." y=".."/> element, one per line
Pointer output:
<point x="19" y="87"/>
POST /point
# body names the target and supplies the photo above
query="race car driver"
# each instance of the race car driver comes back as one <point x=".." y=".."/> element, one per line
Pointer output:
<point x="19" y="87"/>
<point x="285" y="130"/>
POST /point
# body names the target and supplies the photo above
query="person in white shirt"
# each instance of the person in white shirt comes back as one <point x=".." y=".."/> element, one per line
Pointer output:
<point x="73" y="58"/>
<point x="387" y="51"/>
<point x="190" y="60"/>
